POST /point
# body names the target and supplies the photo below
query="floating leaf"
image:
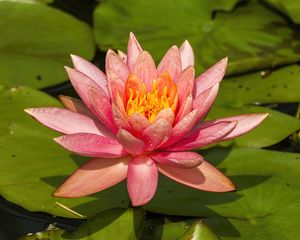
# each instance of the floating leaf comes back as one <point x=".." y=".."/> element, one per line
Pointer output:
<point x="265" y="205"/>
<point x="36" y="42"/>
<point x="33" y="165"/>
<point x="257" y="42"/>
<point x="118" y="224"/>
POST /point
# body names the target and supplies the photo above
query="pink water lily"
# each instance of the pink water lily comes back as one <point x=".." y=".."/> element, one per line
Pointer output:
<point x="138" y="119"/>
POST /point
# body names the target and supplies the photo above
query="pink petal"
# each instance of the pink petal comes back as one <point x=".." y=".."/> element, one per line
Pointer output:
<point x="210" y="77"/>
<point x="132" y="144"/>
<point x="81" y="83"/>
<point x="92" y="145"/>
<point x="177" y="159"/>
<point x="185" y="108"/>
<point x="76" y="105"/>
<point x="66" y="121"/>
<point x="156" y="134"/>
<point x="204" y="177"/>
<point x="167" y="114"/>
<point x="122" y="55"/>
<point x="187" y="55"/>
<point x="182" y="128"/>
<point x="170" y="63"/>
<point x="94" y="176"/>
<point x="185" y="84"/>
<point x="204" y="135"/>
<point x="119" y="118"/>
<point x="102" y="107"/>
<point x="245" y="123"/>
<point x="138" y="122"/>
<point x="205" y="100"/>
<point x="91" y="70"/>
<point x="114" y="62"/>
<point x="134" y="49"/>
<point x="115" y="84"/>
<point x="142" y="180"/>
<point x="145" y="69"/>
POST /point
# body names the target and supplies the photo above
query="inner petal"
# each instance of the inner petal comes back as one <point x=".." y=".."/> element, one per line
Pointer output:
<point x="163" y="94"/>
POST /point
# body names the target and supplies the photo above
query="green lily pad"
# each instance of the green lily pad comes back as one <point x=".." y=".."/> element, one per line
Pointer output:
<point x="265" y="205"/>
<point x="36" y="43"/>
<point x="33" y="165"/>
<point x="224" y="5"/>
<point x="118" y="224"/>
<point x="288" y="7"/>
<point x="257" y="42"/>
<point x="158" y="229"/>
<point x="280" y="86"/>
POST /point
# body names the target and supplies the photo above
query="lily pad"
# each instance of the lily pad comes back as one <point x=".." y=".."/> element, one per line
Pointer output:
<point x="33" y="165"/>
<point x="118" y="224"/>
<point x="288" y="7"/>
<point x="36" y="42"/>
<point x="265" y="205"/>
<point x="257" y="42"/>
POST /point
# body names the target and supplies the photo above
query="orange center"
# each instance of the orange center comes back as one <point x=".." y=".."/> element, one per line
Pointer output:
<point x="163" y="94"/>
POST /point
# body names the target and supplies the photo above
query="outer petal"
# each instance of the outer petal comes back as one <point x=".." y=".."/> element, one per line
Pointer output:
<point x="156" y="134"/>
<point x="115" y="84"/>
<point x="132" y="144"/>
<point x="170" y="63"/>
<point x="92" y="145"/>
<point x="205" y="100"/>
<point x="245" y="123"/>
<point x="114" y="62"/>
<point x="94" y="176"/>
<point x="187" y="55"/>
<point x="66" y="121"/>
<point x="134" y="49"/>
<point x="204" y="177"/>
<point x="177" y="159"/>
<point x="122" y="55"/>
<point x="91" y="70"/>
<point x="185" y="84"/>
<point x="204" y="135"/>
<point x="76" y="105"/>
<point x="145" y="69"/>
<point x="182" y="128"/>
<point x="142" y="180"/>
<point x="102" y="107"/>
<point x="210" y="77"/>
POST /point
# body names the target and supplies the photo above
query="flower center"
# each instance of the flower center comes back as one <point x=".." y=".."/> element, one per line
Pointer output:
<point x="163" y="94"/>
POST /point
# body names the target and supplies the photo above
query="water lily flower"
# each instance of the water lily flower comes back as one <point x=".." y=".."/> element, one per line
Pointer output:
<point x="138" y="119"/>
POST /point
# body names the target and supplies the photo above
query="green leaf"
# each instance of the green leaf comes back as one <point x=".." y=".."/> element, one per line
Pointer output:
<point x="265" y="205"/>
<point x="288" y="7"/>
<point x="33" y="165"/>
<point x="118" y="224"/>
<point x="195" y="229"/>
<point x="36" y="43"/>
<point x="280" y="86"/>
<point x="224" y="5"/>
<point x="257" y="42"/>
<point x="269" y="132"/>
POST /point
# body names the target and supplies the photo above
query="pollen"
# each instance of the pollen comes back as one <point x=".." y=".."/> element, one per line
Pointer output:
<point x="163" y="94"/>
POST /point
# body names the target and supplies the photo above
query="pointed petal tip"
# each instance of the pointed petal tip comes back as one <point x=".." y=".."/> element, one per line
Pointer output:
<point x="28" y="110"/>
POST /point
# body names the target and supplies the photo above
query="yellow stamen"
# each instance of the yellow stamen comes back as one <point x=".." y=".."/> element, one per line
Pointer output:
<point x="149" y="104"/>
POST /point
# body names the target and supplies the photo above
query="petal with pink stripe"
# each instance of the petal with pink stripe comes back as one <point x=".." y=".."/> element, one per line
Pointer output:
<point x="210" y="77"/>
<point x="94" y="176"/>
<point x="142" y="180"/>
<point x="177" y="159"/>
<point x="204" y="177"/>
<point x="91" y="70"/>
<point x="170" y="63"/>
<point x="66" y="121"/>
<point x="114" y="62"/>
<point x="187" y="55"/>
<point x="134" y="49"/>
<point x="92" y="145"/>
